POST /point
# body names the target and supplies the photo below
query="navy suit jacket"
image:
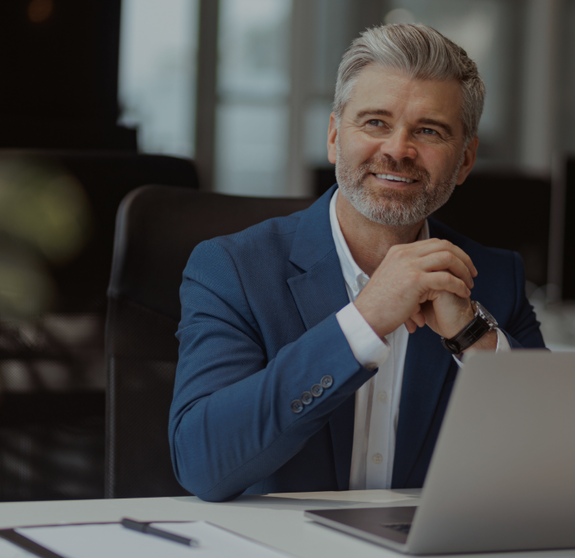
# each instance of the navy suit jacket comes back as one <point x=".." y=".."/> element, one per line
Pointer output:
<point x="258" y="329"/>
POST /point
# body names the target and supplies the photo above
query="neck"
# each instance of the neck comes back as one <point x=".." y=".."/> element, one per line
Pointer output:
<point x="368" y="241"/>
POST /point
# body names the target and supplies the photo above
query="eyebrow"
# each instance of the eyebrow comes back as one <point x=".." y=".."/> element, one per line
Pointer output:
<point x="430" y="121"/>
<point x="375" y="112"/>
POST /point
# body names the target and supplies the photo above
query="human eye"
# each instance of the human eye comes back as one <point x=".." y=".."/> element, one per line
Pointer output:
<point x="376" y="127"/>
<point x="375" y="123"/>
<point x="429" y="132"/>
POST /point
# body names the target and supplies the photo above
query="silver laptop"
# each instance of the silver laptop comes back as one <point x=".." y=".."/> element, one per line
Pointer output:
<point x="502" y="476"/>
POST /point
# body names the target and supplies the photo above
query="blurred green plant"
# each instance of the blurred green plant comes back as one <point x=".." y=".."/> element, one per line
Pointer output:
<point x="45" y="221"/>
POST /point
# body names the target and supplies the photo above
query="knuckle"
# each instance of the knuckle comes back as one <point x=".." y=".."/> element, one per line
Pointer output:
<point x="445" y="245"/>
<point x="397" y="250"/>
<point x="442" y="278"/>
<point x="447" y="279"/>
<point x="446" y="257"/>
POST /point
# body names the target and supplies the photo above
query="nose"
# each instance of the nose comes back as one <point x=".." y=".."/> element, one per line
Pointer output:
<point x="399" y="145"/>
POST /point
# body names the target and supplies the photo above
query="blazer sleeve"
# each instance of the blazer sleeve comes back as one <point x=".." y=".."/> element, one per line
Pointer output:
<point x="521" y="327"/>
<point x="231" y="420"/>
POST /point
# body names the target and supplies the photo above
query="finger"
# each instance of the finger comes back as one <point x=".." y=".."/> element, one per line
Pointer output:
<point x="447" y="261"/>
<point x="445" y="281"/>
<point x="459" y="253"/>
<point x="423" y="248"/>
<point x="411" y="325"/>
<point x="418" y="318"/>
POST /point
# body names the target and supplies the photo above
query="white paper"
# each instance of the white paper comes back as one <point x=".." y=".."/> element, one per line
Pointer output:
<point x="113" y="540"/>
<point x="8" y="550"/>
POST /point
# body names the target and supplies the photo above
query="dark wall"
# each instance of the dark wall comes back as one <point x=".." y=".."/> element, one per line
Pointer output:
<point x="59" y="71"/>
<point x="62" y="67"/>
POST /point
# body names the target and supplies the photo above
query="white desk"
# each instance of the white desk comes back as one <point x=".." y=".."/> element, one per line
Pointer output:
<point x="276" y="520"/>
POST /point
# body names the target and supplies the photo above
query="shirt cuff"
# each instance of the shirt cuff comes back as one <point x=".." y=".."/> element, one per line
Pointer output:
<point x="502" y="342"/>
<point x="369" y="350"/>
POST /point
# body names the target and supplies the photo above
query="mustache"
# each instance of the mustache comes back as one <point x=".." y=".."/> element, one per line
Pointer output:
<point x="382" y="164"/>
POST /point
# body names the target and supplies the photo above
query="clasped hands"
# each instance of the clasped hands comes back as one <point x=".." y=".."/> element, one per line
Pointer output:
<point x="424" y="282"/>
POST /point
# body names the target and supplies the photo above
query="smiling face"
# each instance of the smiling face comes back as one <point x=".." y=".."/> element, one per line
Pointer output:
<point x="399" y="149"/>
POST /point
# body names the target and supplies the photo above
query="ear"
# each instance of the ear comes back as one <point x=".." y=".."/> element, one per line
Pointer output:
<point x="332" y="139"/>
<point x="468" y="160"/>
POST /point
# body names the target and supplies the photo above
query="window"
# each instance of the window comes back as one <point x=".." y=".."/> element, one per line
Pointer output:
<point x="252" y="112"/>
<point x="484" y="28"/>
<point x="158" y="73"/>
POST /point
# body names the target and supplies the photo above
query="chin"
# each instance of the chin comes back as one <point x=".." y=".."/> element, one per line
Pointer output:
<point x="393" y="210"/>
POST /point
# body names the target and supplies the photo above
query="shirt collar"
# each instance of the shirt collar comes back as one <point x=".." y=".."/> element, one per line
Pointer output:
<point x="354" y="277"/>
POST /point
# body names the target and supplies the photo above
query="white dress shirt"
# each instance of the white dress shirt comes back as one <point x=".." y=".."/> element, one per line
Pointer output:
<point x="377" y="401"/>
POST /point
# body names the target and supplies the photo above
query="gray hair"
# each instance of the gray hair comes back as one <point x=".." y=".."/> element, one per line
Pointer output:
<point x="422" y="53"/>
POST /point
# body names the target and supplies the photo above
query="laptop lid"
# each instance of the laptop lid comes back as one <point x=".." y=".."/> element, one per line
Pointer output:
<point x="502" y="476"/>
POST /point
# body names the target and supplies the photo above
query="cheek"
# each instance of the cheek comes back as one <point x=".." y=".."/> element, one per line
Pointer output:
<point x="360" y="151"/>
<point x="437" y="163"/>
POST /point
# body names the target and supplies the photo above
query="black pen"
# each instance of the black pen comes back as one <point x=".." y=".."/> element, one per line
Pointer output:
<point x="146" y="528"/>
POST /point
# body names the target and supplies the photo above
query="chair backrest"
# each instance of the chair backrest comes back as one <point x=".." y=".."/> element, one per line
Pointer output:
<point x="156" y="229"/>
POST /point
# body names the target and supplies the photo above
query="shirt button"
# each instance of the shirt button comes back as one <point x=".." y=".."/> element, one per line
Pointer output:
<point x="371" y="366"/>
<point x="306" y="398"/>
<point x="355" y="287"/>
<point x="326" y="381"/>
<point x="296" y="406"/>
<point x="382" y="396"/>
<point x="377" y="458"/>
<point x="316" y="390"/>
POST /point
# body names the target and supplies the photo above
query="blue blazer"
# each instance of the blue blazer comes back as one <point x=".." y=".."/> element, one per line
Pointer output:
<point x="258" y="329"/>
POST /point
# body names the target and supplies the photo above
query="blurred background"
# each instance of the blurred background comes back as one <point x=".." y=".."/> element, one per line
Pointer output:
<point x="273" y="65"/>
<point x="234" y="96"/>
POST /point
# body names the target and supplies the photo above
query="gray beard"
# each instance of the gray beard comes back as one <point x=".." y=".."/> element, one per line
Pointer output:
<point x="393" y="208"/>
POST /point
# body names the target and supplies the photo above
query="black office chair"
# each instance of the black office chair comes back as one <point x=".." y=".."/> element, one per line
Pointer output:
<point x="157" y="227"/>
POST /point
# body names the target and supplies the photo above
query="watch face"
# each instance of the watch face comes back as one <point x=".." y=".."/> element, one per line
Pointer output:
<point x="485" y="314"/>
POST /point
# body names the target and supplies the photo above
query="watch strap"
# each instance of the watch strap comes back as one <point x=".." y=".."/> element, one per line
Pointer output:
<point x="470" y="334"/>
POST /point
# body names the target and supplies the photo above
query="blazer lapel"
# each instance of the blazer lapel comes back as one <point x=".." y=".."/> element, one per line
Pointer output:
<point x="319" y="291"/>
<point x="319" y="288"/>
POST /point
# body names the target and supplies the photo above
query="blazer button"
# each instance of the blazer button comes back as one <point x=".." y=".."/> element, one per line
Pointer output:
<point x="296" y="406"/>
<point x="316" y="390"/>
<point x="327" y="382"/>
<point x="306" y="398"/>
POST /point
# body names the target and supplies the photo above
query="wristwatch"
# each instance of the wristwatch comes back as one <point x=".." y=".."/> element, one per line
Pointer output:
<point x="472" y="332"/>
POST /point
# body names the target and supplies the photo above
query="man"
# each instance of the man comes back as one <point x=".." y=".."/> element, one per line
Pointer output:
<point x="317" y="350"/>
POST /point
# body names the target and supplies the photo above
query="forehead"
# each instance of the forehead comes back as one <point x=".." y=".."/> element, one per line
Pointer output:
<point x="382" y="89"/>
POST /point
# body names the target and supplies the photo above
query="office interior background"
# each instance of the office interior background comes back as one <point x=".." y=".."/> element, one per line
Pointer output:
<point x="243" y="88"/>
